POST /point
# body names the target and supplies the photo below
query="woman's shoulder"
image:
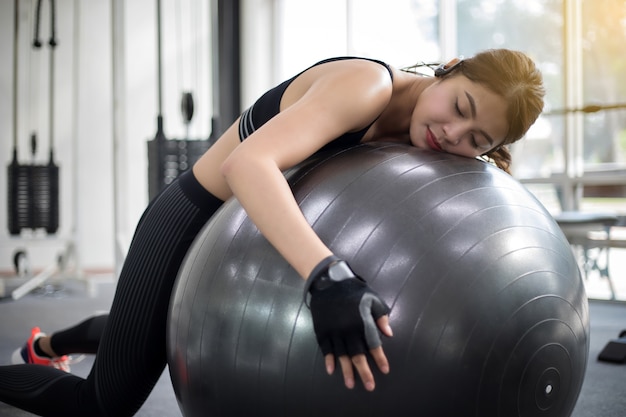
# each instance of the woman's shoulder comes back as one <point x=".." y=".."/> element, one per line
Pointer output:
<point x="342" y="78"/>
<point x="353" y="58"/>
<point x="345" y="74"/>
<point x="356" y="64"/>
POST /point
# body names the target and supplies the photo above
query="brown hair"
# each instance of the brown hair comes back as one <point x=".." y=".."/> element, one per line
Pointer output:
<point x="513" y="76"/>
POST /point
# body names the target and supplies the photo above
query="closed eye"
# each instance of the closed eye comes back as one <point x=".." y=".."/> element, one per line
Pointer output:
<point x="460" y="113"/>
<point x="457" y="108"/>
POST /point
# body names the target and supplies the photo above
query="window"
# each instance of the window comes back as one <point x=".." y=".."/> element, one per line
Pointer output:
<point x="578" y="46"/>
<point x="534" y="27"/>
<point x="400" y="32"/>
<point x="603" y="38"/>
<point x="604" y="65"/>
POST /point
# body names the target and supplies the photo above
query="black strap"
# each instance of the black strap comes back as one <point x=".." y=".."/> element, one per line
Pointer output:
<point x="53" y="27"/>
<point x="317" y="272"/>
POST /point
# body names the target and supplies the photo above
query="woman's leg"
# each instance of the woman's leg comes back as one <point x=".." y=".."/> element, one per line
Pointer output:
<point x="131" y="355"/>
<point x="82" y="338"/>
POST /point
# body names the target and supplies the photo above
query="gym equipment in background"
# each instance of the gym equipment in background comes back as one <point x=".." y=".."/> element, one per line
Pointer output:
<point x="489" y="311"/>
<point x="33" y="201"/>
<point x="615" y="350"/>
<point x="168" y="158"/>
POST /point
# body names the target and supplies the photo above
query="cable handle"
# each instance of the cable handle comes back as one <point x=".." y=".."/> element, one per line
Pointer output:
<point x="52" y="42"/>
<point x="33" y="145"/>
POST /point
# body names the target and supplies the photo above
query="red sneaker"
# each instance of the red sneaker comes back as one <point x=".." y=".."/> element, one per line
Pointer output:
<point x="27" y="354"/>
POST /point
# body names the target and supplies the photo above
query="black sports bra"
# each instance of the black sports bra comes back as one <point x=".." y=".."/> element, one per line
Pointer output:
<point x="268" y="106"/>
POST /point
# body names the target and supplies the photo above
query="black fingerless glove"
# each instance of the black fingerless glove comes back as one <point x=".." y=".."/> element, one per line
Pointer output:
<point x="344" y="309"/>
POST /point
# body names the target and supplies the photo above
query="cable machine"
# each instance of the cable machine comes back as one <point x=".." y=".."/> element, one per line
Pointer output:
<point x="33" y="189"/>
<point x="168" y="158"/>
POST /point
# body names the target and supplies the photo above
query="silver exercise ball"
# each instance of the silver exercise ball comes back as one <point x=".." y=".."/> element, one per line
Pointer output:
<point x="489" y="311"/>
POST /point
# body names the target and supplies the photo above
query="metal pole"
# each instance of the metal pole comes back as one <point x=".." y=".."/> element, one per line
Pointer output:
<point x="117" y="73"/>
<point x="229" y="62"/>
<point x="15" y="77"/>
<point x="159" y="70"/>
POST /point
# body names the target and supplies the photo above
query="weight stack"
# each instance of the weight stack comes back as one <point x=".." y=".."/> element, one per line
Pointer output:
<point x="168" y="158"/>
<point x="33" y="201"/>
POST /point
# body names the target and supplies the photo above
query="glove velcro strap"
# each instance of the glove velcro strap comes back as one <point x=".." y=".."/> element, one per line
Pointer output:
<point x="328" y="272"/>
<point x="319" y="270"/>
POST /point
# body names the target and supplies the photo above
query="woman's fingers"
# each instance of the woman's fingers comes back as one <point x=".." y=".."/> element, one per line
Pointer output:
<point x="359" y="361"/>
<point x="383" y="325"/>
<point x="381" y="360"/>
<point x="347" y="370"/>
<point x="363" y="369"/>
<point x="330" y="363"/>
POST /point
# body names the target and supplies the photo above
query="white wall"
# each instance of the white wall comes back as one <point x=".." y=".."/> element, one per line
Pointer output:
<point x="83" y="117"/>
<point x="258" y="52"/>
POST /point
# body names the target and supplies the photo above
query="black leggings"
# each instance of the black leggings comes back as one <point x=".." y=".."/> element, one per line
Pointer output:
<point x="131" y="355"/>
<point x="82" y="338"/>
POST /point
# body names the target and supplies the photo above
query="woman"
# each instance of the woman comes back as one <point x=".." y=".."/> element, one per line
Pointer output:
<point x="472" y="108"/>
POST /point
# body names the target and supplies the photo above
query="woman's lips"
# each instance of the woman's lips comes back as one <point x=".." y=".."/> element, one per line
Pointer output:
<point x="432" y="141"/>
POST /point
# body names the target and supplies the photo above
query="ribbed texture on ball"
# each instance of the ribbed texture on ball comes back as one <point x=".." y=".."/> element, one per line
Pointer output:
<point x="489" y="312"/>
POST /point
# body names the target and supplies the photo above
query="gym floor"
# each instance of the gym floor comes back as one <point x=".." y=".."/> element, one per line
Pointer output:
<point x="57" y="306"/>
<point x="602" y="393"/>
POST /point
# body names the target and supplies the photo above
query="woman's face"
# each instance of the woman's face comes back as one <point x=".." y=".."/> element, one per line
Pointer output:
<point x="458" y="116"/>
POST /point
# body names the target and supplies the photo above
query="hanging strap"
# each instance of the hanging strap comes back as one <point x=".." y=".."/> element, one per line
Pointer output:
<point x="15" y="69"/>
<point x="52" y="43"/>
<point x="160" y="135"/>
<point x="53" y="40"/>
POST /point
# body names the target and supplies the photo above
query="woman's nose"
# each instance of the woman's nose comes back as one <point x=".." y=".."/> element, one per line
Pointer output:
<point x="453" y="134"/>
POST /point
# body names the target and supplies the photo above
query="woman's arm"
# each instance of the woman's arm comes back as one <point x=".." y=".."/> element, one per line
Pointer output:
<point x="319" y="106"/>
<point x="347" y="99"/>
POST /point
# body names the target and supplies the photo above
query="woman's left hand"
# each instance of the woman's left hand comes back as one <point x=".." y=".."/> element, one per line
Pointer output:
<point x="360" y="361"/>
<point x="347" y="315"/>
